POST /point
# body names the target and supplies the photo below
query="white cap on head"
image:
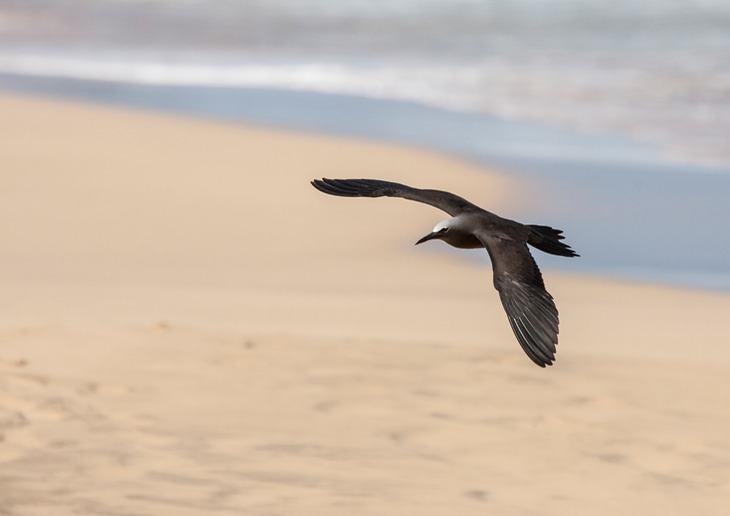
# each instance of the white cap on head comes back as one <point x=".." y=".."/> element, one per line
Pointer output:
<point x="441" y="225"/>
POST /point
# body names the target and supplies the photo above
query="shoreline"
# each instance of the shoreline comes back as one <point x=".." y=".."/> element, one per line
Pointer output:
<point x="99" y="250"/>
<point x="636" y="213"/>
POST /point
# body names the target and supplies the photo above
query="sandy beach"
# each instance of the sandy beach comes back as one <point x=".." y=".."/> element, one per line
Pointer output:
<point x="187" y="327"/>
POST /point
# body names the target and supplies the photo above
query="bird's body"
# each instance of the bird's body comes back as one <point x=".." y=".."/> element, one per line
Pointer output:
<point x="530" y="308"/>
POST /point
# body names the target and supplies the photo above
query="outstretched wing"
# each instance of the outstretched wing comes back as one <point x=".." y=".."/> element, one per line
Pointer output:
<point x="530" y="308"/>
<point x="446" y="201"/>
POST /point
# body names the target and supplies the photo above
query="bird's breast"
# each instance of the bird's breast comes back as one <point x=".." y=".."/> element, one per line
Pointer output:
<point x="462" y="241"/>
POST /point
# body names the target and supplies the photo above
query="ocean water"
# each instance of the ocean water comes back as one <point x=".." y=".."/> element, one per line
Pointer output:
<point x="615" y="113"/>
<point x="657" y="71"/>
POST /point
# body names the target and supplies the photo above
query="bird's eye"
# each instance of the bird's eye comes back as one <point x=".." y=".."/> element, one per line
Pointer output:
<point x="443" y="230"/>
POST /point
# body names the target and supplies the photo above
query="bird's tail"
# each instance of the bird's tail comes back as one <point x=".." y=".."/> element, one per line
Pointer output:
<point x="548" y="240"/>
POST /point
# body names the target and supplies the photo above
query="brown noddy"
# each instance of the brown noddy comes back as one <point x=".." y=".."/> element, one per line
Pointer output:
<point x="530" y="308"/>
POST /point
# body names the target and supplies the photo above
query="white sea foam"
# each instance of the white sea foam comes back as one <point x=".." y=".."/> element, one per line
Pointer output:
<point x="426" y="84"/>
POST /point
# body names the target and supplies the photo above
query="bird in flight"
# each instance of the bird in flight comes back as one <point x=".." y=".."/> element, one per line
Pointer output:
<point x="530" y="308"/>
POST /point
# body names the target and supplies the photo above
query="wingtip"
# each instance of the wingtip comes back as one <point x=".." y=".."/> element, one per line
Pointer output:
<point x="322" y="184"/>
<point x="348" y="187"/>
<point x="541" y="360"/>
<point x="533" y="317"/>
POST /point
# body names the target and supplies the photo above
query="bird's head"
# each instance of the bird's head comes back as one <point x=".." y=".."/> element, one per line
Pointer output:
<point x="439" y="231"/>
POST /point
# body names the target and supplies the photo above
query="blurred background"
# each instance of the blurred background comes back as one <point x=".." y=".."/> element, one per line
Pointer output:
<point x="614" y="115"/>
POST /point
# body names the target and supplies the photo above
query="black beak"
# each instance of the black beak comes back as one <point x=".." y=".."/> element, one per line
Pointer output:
<point x="428" y="237"/>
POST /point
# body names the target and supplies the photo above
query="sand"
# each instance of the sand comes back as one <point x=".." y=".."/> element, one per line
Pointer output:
<point x="187" y="327"/>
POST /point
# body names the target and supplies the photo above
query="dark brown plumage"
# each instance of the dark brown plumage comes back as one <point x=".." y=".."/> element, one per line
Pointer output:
<point x="530" y="308"/>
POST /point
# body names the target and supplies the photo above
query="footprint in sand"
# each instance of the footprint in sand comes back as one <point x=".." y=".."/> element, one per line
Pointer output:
<point x="10" y="419"/>
<point x="103" y="389"/>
